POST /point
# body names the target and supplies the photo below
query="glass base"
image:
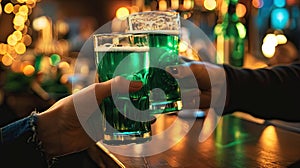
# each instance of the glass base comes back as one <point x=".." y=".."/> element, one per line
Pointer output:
<point x="123" y="138"/>
<point x="165" y="107"/>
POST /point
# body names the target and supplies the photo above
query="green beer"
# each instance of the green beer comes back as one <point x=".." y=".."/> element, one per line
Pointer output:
<point x="129" y="121"/>
<point x="163" y="53"/>
<point x="163" y="29"/>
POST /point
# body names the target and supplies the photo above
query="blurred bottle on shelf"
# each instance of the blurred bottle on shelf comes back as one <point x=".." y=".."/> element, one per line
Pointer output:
<point x="230" y="37"/>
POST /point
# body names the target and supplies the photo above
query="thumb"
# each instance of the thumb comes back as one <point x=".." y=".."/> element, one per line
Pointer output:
<point x="122" y="85"/>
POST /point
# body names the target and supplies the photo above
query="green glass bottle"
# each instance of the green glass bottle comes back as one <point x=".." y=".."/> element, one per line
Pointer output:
<point x="230" y="38"/>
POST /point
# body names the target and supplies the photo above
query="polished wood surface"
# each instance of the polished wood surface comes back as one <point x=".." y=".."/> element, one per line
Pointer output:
<point x="235" y="142"/>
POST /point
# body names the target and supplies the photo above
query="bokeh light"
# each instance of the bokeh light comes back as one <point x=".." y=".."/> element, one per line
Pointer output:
<point x="218" y="29"/>
<point x="16" y="66"/>
<point x="64" y="65"/>
<point x="162" y="5"/>
<point x="268" y="50"/>
<point x="40" y="23"/>
<point x="19" y="20"/>
<point x="20" y="28"/>
<point x="55" y="59"/>
<point x="21" y="1"/>
<point x="257" y="3"/>
<point x="20" y="48"/>
<point x="8" y="8"/>
<point x="17" y="35"/>
<point x="281" y="39"/>
<point x="7" y="60"/>
<point x="188" y="4"/>
<point x="174" y="4"/>
<point x="11" y="40"/>
<point x="31" y="3"/>
<point x="210" y="4"/>
<point x="122" y="13"/>
<point x="64" y="78"/>
<point x="279" y="3"/>
<point x="28" y="70"/>
<point x="271" y="39"/>
<point x="241" y="10"/>
<point x="224" y="8"/>
<point x="134" y="9"/>
<point x="27" y="40"/>
<point x="270" y="42"/>
<point x="279" y="18"/>
<point x="241" y="30"/>
<point x="2" y="49"/>
<point x="16" y="8"/>
<point x="17" y="41"/>
<point x="23" y="9"/>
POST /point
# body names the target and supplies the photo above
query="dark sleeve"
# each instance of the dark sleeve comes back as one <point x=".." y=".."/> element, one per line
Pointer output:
<point x="19" y="145"/>
<point x="272" y="93"/>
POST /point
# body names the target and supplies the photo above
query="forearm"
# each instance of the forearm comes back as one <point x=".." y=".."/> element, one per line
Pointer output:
<point x="264" y="93"/>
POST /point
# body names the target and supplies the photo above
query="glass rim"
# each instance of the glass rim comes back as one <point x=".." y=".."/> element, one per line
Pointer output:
<point x="121" y="34"/>
<point x="144" y="18"/>
<point x="165" y="32"/>
<point x="115" y="47"/>
<point x="155" y="11"/>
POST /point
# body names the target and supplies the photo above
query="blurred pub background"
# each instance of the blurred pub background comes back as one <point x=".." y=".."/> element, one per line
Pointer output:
<point x="40" y="40"/>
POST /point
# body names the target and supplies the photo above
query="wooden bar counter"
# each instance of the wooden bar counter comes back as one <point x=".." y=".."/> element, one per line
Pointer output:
<point x="235" y="142"/>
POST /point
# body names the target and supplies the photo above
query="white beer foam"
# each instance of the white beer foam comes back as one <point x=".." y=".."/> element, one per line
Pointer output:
<point x="121" y="48"/>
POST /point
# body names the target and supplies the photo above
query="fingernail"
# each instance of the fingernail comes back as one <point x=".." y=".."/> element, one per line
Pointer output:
<point x="174" y="70"/>
<point x="136" y="84"/>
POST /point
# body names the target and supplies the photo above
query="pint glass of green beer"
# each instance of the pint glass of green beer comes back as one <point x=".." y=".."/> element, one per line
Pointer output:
<point x="163" y="32"/>
<point x="125" y="116"/>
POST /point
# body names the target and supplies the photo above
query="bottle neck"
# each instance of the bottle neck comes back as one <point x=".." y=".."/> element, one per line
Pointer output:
<point x="231" y="8"/>
<point x="231" y="16"/>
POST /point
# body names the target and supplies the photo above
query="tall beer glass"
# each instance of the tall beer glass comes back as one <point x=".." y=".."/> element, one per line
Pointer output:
<point x="163" y="32"/>
<point x="125" y="116"/>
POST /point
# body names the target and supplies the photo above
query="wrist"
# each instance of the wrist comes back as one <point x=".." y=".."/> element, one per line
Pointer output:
<point x="45" y="130"/>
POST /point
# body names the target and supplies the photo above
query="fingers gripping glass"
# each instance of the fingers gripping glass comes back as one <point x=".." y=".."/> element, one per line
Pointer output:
<point x="124" y="115"/>
<point x="163" y="32"/>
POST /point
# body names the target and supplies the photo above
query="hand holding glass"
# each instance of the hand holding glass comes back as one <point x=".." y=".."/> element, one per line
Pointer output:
<point x="163" y="32"/>
<point x="125" y="116"/>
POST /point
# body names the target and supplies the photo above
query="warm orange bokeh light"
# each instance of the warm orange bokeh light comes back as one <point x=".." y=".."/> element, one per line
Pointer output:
<point x="210" y="4"/>
<point x="27" y="40"/>
<point x="241" y="10"/>
<point x="28" y="70"/>
<point x="64" y="78"/>
<point x="17" y="35"/>
<point x="174" y="4"/>
<point x="8" y="8"/>
<point x="3" y="48"/>
<point x="188" y="4"/>
<point x="122" y="13"/>
<point x="23" y="9"/>
<point x="257" y="3"/>
<point x="19" y="20"/>
<point x="20" y="48"/>
<point x="64" y="65"/>
<point x="7" y="60"/>
<point x="11" y="40"/>
<point x="16" y="8"/>
<point x="162" y="5"/>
